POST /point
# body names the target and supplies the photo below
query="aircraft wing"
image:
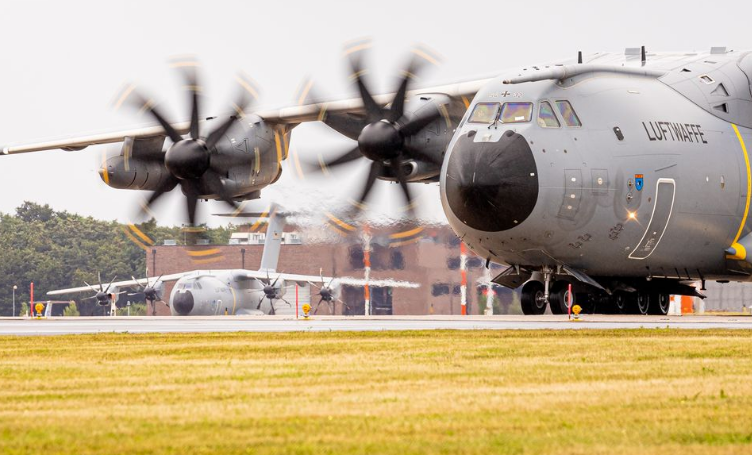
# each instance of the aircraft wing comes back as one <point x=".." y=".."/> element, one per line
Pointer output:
<point x="285" y="116"/>
<point x="304" y="279"/>
<point x="120" y="284"/>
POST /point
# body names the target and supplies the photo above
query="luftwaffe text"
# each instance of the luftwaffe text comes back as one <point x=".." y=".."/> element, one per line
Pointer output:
<point x="677" y="132"/>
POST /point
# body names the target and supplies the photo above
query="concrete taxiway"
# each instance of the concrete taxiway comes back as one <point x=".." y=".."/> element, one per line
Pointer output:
<point x="78" y="325"/>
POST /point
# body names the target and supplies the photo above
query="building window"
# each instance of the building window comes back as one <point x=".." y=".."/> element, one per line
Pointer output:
<point x="439" y="289"/>
<point x="356" y="257"/>
<point x="473" y="262"/>
<point x="397" y="260"/>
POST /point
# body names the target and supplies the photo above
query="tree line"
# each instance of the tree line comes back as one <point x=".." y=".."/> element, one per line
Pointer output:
<point x="59" y="249"/>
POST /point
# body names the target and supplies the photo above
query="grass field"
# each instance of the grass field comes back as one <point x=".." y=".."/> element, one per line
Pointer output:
<point x="573" y="392"/>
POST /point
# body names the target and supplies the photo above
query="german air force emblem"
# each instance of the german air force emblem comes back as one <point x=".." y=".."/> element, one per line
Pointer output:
<point x="638" y="182"/>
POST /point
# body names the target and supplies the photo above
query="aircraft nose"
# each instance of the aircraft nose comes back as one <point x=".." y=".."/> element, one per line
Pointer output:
<point x="182" y="303"/>
<point x="492" y="186"/>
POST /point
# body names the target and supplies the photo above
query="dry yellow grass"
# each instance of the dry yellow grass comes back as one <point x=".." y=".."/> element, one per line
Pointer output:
<point x="615" y="392"/>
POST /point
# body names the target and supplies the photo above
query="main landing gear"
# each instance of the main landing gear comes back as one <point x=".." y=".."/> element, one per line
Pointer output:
<point x="535" y="298"/>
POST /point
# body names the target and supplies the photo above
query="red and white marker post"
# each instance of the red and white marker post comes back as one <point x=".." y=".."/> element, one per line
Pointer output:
<point x="367" y="266"/>
<point x="463" y="282"/>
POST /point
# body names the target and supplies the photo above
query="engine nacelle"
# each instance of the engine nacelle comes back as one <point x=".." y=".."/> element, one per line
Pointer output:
<point x="132" y="173"/>
<point x="432" y="140"/>
<point x="420" y="171"/>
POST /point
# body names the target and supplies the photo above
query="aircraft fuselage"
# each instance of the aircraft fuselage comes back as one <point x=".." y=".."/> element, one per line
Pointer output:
<point x="650" y="184"/>
<point x="213" y="293"/>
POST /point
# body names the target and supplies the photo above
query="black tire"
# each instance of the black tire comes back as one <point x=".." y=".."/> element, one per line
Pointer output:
<point x="640" y="303"/>
<point x="620" y="302"/>
<point x="658" y="304"/>
<point x="558" y="298"/>
<point x="531" y="298"/>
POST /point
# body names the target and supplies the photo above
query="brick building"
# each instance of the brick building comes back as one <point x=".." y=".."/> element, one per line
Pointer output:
<point x="433" y="261"/>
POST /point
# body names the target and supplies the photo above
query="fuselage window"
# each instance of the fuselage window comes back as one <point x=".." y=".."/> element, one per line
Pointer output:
<point x="516" y="112"/>
<point x="567" y="113"/>
<point x="546" y="116"/>
<point x="484" y="113"/>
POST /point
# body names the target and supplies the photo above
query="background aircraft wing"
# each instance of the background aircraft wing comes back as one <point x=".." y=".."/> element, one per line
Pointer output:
<point x="120" y="284"/>
<point x="285" y="116"/>
<point x="303" y="279"/>
<point x="376" y="283"/>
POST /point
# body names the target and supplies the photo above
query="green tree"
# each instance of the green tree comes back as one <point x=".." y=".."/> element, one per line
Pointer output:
<point x="57" y="250"/>
<point x="136" y="309"/>
<point x="71" y="310"/>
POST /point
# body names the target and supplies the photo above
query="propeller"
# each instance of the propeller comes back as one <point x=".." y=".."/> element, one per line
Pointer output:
<point x="150" y="291"/>
<point x="326" y="294"/>
<point x="193" y="162"/>
<point x="384" y="134"/>
<point x="272" y="293"/>
<point x="101" y="295"/>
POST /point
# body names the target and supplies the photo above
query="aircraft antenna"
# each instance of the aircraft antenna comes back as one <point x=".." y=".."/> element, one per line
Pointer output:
<point x="579" y="57"/>
<point x="643" y="55"/>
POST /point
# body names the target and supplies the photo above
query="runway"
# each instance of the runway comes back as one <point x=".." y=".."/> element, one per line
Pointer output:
<point x="80" y="325"/>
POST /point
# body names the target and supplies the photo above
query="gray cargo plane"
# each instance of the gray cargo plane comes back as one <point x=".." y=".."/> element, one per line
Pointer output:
<point x="625" y="175"/>
<point x="237" y="291"/>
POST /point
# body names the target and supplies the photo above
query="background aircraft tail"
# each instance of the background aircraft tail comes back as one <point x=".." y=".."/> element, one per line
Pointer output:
<point x="273" y="242"/>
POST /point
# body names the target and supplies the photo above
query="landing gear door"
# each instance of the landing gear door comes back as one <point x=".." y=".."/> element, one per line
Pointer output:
<point x="664" y="205"/>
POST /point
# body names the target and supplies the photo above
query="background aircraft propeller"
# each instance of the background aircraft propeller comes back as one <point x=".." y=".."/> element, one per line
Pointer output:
<point x="102" y="294"/>
<point x="272" y="293"/>
<point x="326" y="294"/>
<point x="150" y="291"/>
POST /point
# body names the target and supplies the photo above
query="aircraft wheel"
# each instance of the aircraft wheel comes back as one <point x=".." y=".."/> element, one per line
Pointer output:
<point x="559" y="298"/>
<point x="640" y="303"/>
<point x="531" y="299"/>
<point x="620" y="302"/>
<point x="659" y="304"/>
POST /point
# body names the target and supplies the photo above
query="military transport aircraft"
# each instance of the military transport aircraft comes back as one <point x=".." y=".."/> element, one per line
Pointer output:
<point x="237" y="291"/>
<point x="624" y="174"/>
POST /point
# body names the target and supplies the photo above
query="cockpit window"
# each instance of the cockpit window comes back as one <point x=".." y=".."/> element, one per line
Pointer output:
<point x="568" y="114"/>
<point x="484" y="113"/>
<point x="546" y="116"/>
<point x="516" y="112"/>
